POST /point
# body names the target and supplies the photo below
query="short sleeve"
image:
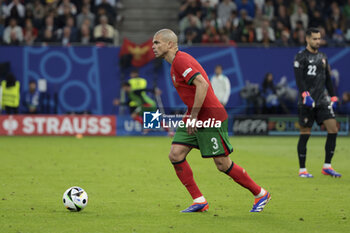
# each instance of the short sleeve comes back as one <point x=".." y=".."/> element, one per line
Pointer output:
<point x="186" y="70"/>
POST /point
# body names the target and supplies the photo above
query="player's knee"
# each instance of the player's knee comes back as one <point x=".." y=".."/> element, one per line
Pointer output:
<point x="223" y="163"/>
<point x="333" y="130"/>
<point x="176" y="156"/>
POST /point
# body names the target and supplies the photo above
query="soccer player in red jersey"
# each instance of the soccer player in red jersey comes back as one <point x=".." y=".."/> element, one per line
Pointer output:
<point x="194" y="88"/>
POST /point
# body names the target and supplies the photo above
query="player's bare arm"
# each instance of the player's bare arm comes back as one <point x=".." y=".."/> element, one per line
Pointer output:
<point x="201" y="92"/>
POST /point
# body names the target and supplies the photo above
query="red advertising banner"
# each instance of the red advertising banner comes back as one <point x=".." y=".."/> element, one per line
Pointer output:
<point x="57" y="125"/>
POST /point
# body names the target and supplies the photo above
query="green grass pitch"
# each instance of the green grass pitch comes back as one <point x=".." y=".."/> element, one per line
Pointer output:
<point x="132" y="187"/>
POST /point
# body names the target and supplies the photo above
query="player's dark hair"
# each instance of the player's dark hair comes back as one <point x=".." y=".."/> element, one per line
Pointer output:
<point x="309" y="31"/>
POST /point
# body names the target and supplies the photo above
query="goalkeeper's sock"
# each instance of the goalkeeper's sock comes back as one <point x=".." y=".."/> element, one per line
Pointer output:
<point x="330" y="147"/>
<point x="301" y="170"/>
<point x="185" y="174"/>
<point x="240" y="176"/>
<point x="303" y="138"/>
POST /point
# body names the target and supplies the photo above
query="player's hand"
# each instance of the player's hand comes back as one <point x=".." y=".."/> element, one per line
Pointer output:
<point x="192" y="129"/>
<point x="334" y="102"/>
<point x="307" y="99"/>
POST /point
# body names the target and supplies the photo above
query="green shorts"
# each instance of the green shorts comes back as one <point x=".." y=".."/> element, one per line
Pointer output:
<point x="211" y="142"/>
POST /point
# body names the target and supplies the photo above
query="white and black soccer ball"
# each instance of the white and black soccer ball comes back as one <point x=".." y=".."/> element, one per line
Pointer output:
<point x="75" y="198"/>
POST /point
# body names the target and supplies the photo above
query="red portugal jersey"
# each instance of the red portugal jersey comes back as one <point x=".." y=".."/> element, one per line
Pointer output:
<point x="183" y="71"/>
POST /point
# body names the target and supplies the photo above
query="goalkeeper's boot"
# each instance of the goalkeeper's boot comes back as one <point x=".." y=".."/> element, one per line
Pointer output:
<point x="197" y="207"/>
<point x="330" y="172"/>
<point x="261" y="202"/>
<point x="305" y="174"/>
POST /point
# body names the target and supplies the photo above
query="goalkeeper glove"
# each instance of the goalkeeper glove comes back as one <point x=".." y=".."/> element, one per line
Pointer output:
<point x="307" y="99"/>
<point x="334" y="102"/>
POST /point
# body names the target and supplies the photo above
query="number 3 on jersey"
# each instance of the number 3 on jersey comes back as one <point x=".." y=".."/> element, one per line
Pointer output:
<point x="215" y="142"/>
<point x="311" y="70"/>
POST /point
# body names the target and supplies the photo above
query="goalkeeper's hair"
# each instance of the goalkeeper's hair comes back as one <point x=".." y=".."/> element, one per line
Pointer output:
<point x="311" y="30"/>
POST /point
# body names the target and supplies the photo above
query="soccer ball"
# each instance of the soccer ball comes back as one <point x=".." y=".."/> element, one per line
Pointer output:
<point x="75" y="198"/>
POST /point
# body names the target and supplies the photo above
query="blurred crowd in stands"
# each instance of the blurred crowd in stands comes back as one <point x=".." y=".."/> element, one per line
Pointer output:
<point x="268" y="22"/>
<point x="63" y="22"/>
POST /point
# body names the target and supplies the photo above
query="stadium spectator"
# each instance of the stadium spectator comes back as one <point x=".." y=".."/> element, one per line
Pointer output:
<point x="61" y="19"/>
<point x="31" y="99"/>
<point x="89" y="3"/>
<point x="227" y="29"/>
<point x="66" y="38"/>
<point x="10" y="94"/>
<point x="224" y="10"/>
<point x="346" y="10"/>
<point x="221" y="85"/>
<point x="85" y="35"/>
<point x="104" y="32"/>
<point x="106" y="8"/>
<point x="38" y="13"/>
<point x="88" y="23"/>
<point x="248" y="35"/>
<point x="13" y="34"/>
<point x="299" y="15"/>
<point x="192" y="35"/>
<point x="210" y="34"/>
<point x="279" y="29"/>
<point x="215" y="21"/>
<point x="2" y="28"/>
<point x="324" y="37"/>
<point x="234" y="19"/>
<point x="338" y="38"/>
<point x="265" y="33"/>
<point x="67" y="4"/>
<point x="110" y="2"/>
<point x="347" y="34"/>
<point x="295" y="5"/>
<point x="188" y="21"/>
<point x="299" y="27"/>
<point x="259" y="4"/>
<point x="259" y="18"/>
<point x="271" y="102"/>
<point x="282" y="16"/>
<point x="316" y="19"/>
<point x="207" y="9"/>
<point x="189" y="7"/>
<point x="284" y="40"/>
<point x="300" y="40"/>
<point x="30" y="33"/>
<point x="85" y="14"/>
<point x="267" y="10"/>
<point x="247" y="5"/>
<point x="48" y="37"/>
<point x="15" y="10"/>
<point x="2" y="9"/>
<point x="335" y="20"/>
<point x="244" y="23"/>
<point x="74" y="31"/>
